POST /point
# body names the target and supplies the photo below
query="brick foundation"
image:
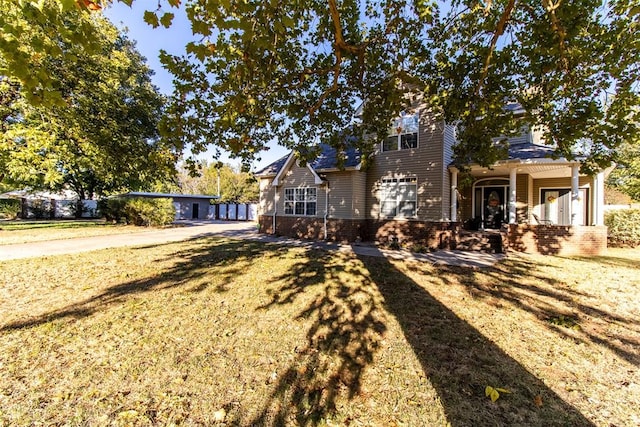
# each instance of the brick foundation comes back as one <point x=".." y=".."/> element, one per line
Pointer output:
<point x="434" y="235"/>
<point x="542" y="239"/>
<point x="338" y="230"/>
<point x="558" y="239"/>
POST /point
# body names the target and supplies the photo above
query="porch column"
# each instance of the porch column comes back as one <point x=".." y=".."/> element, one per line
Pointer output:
<point x="512" y="195"/>
<point x="598" y="199"/>
<point x="454" y="195"/>
<point x="575" y="193"/>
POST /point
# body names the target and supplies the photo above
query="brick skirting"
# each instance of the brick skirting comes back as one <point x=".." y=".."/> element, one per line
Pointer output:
<point x="338" y="230"/>
<point x="434" y="235"/>
<point x="558" y="239"/>
<point x="542" y="239"/>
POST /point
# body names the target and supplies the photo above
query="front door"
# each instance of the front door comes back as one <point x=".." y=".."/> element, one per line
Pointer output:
<point x="557" y="206"/>
<point x="195" y="211"/>
<point x="493" y="206"/>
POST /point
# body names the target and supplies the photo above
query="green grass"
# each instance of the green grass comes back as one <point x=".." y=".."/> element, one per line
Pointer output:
<point x="46" y="224"/>
<point x="212" y="330"/>
<point x="14" y="232"/>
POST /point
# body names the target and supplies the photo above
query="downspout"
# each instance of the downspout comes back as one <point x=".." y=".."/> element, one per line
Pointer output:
<point x="326" y="208"/>
<point x="275" y="208"/>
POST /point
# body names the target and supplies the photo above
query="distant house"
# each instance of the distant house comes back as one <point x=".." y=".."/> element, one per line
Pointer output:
<point x="42" y="204"/>
<point x="188" y="206"/>
<point x="532" y="202"/>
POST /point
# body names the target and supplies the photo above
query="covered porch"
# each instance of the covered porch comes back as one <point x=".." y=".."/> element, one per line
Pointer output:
<point x="542" y="205"/>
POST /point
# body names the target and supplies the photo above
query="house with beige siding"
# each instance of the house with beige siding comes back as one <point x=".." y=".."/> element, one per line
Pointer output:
<point x="409" y="193"/>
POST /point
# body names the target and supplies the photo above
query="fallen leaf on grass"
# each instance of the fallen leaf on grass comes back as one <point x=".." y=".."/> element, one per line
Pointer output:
<point x="219" y="416"/>
<point x="537" y="401"/>
<point x="494" y="393"/>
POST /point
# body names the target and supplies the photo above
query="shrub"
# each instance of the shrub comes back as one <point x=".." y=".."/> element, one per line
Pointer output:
<point x="139" y="211"/>
<point x="624" y="227"/>
<point x="10" y="208"/>
<point x="113" y="209"/>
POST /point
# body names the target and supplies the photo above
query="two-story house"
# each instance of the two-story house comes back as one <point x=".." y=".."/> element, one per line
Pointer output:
<point x="410" y="193"/>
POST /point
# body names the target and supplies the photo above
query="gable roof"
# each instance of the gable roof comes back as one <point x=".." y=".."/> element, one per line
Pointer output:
<point x="273" y="168"/>
<point x="327" y="160"/>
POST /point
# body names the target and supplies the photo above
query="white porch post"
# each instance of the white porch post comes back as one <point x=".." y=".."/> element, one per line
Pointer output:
<point x="512" y="195"/>
<point x="575" y="194"/>
<point x="598" y="199"/>
<point x="454" y="195"/>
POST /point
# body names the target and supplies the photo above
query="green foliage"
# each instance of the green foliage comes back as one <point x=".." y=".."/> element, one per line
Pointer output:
<point x="9" y="208"/>
<point x="626" y="176"/>
<point x="138" y="211"/>
<point x="624" y="227"/>
<point x="103" y="138"/>
<point x="236" y="186"/>
<point x="292" y="72"/>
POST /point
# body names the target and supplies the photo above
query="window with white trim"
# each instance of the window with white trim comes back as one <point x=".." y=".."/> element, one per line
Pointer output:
<point x="300" y="201"/>
<point x="398" y="197"/>
<point x="403" y="133"/>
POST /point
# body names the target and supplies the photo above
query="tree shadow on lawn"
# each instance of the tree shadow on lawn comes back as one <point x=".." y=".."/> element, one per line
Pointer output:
<point x="348" y="324"/>
<point x="230" y="258"/>
<point x="558" y="306"/>
<point x="460" y="362"/>
<point x="349" y="321"/>
<point x="612" y="261"/>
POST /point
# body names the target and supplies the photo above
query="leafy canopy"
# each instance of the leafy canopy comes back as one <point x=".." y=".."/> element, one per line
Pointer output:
<point x="294" y="71"/>
<point x="99" y="133"/>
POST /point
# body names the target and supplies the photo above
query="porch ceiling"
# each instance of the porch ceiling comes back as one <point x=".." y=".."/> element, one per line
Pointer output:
<point x="537" y="170"/>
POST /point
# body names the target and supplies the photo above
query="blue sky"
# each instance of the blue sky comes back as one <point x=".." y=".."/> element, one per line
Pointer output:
<point x="173" y="40"/>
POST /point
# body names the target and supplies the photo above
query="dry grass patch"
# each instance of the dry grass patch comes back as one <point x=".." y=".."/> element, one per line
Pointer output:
<point x="221" y="331"/>
<point x="14" y="232"/>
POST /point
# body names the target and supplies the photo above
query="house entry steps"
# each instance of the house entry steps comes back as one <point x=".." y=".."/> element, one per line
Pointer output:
<point x="489" y="241"/>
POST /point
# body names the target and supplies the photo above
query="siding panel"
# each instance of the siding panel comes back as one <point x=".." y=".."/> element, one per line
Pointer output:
<point x="425" y="162"/>
<point x="300" y="177"/>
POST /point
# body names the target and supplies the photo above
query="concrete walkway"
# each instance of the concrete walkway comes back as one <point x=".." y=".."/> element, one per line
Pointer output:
<point x="239" y="230"/>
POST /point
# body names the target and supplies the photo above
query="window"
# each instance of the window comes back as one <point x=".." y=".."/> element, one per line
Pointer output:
<point x="300" y="201"/>
<point x="403" y="134"/>
<point x="398" y="197"/>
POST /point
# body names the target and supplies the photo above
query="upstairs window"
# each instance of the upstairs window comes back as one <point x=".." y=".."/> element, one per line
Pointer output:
<point x="398" y="197"/>
<point x="300" y="201"/>
<point x="403" y="134"/>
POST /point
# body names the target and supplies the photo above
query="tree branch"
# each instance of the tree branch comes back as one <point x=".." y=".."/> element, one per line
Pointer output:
<point x="555" y="25"/>
<point x="502" y="23"/>
<point x="339" y="46"/>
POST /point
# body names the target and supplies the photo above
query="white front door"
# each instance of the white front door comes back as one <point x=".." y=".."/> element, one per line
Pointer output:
<point x="557" y="206"/>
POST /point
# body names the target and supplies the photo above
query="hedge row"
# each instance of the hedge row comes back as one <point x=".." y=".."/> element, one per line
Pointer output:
<point x="138" y="211"/>
<point x="624" y="227"/>
<point x="9" y="208"/>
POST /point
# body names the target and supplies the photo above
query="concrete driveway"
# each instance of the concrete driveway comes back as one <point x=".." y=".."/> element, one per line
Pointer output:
<point x="240" y="230"/>
<point x="190" y="230"/>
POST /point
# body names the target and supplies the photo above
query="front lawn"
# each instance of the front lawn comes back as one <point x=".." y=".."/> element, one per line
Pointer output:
<point x="26" y="231"/>
<point x="245" y="333"/>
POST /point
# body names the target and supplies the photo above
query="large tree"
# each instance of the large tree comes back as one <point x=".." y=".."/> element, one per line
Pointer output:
<point x="100" y="134"/>
<point x="626" y="176"/>
<point x="231" y="183"/>
<point x="293" y="71"/>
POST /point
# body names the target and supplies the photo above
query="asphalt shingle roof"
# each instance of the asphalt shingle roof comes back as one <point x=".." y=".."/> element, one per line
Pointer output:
<point x="328" y="159"/>
<point x="274" y="167"/>
<point x="529" y="151"/>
